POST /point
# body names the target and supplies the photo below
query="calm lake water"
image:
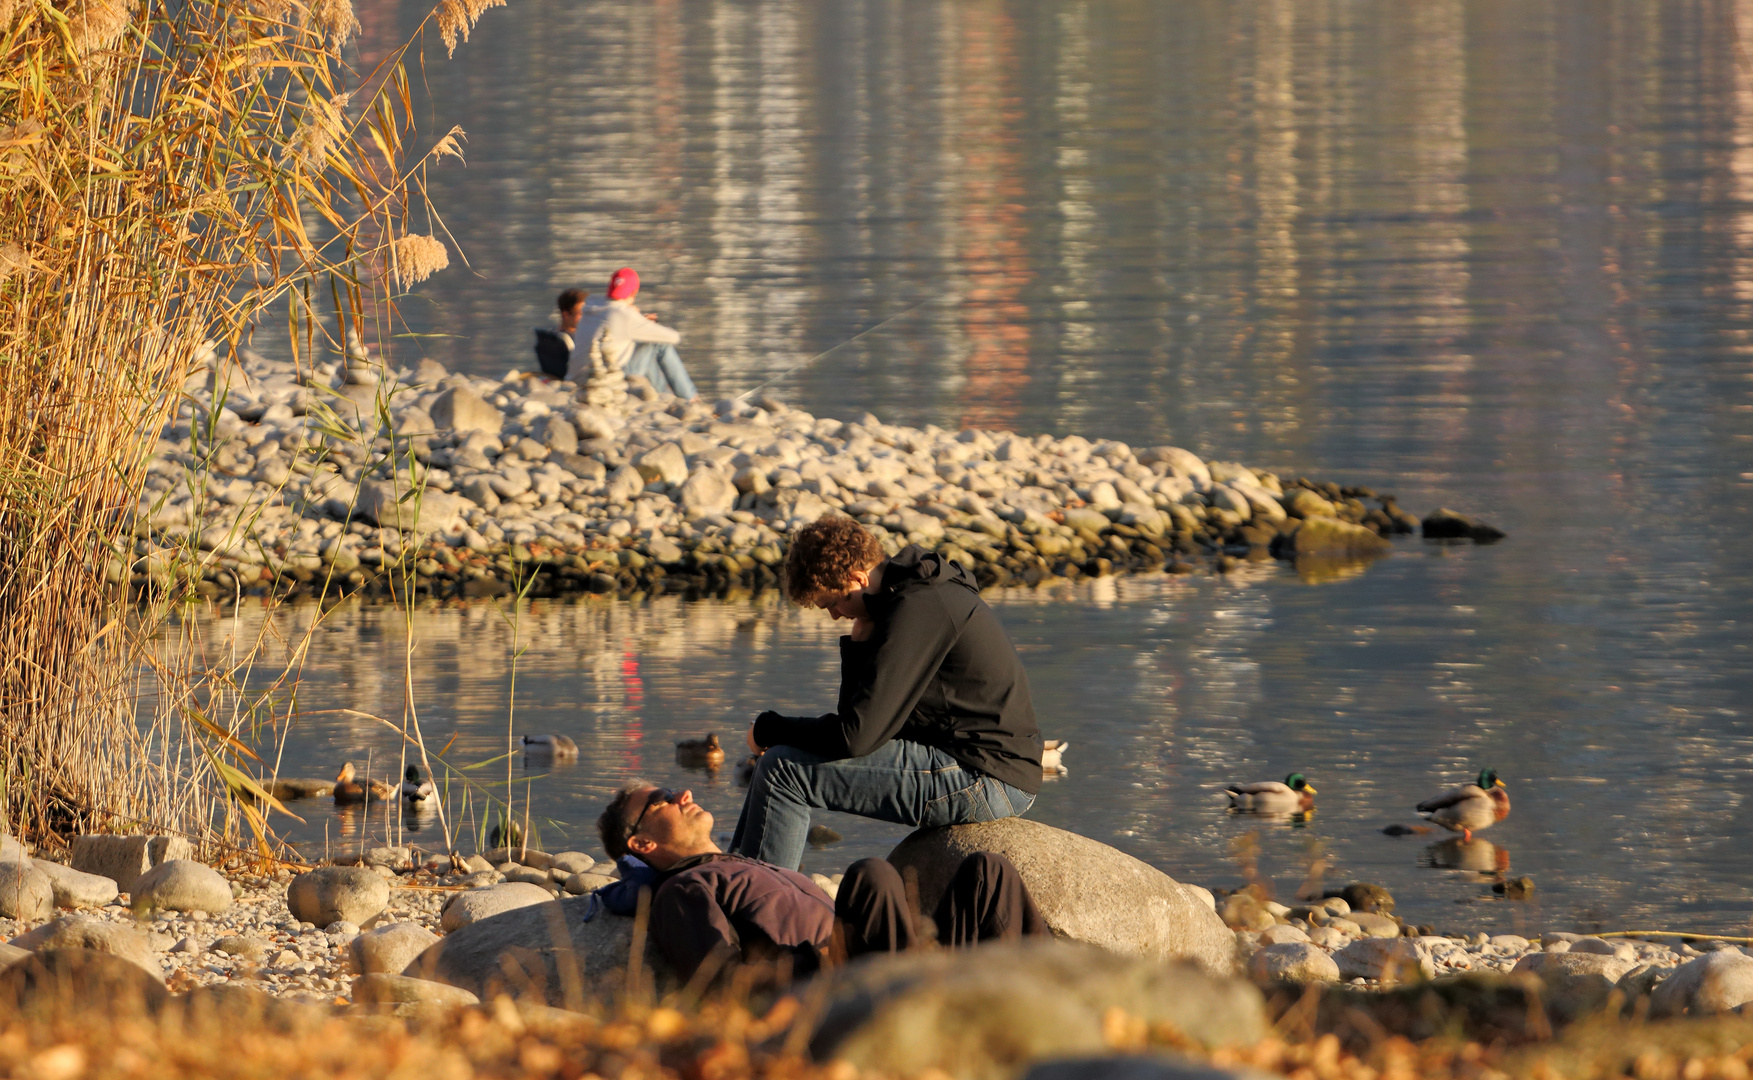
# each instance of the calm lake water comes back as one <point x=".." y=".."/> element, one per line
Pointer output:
<point x="1493" y="256"/>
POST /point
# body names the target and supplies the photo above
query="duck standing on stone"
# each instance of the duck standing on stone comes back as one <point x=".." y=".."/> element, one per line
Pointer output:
<point x="1294" y="796"/>
<point x="558" y="747"/>
<point x="1469" y="807"/>
<point x="702" y="753"/>
<point x="415" y="789"/>
<point x="349" y="789"/>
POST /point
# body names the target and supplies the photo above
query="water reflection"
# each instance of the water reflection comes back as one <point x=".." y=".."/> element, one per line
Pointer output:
<point x="1479" y="856"/>
<point x="1506" y="272"/>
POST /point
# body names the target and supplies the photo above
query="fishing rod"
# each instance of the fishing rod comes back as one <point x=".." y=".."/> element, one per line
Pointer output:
<point x="806" y="363"/>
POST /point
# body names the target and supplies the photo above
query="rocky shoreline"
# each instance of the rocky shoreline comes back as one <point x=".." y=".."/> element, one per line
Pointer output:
<point x="352" y="478"/>
<point x="346" y="933"/>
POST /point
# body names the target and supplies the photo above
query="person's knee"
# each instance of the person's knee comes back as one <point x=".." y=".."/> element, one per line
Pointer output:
<point x="872" y="874"/>
<point x="780" y="765"/>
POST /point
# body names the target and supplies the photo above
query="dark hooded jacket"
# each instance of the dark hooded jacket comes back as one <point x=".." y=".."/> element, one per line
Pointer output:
<point x="939" y="670"/>
<point x="728" y="908"/>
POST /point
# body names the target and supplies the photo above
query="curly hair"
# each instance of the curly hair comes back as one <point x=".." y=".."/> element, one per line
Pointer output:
<point x="824" y="554"/>
<point x="612" y="824"/>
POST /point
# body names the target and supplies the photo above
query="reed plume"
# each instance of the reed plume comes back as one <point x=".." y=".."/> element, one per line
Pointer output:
<point x="168" y="172"/>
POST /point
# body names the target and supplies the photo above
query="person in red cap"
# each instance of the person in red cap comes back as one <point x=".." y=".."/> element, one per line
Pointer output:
<point x="636" y="343"/>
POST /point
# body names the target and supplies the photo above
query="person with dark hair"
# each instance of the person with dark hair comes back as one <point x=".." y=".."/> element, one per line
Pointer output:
<point x="554" y="346"/>
<point x="934" y="723"/>
<point x="629" y="339"/>
<point x="710" y="908"/>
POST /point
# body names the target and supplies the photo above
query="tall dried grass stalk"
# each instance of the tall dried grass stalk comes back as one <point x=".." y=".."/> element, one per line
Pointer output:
<point x="167" y="171"/>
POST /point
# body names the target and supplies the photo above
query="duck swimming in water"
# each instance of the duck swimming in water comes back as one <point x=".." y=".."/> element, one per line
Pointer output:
<point x="415" y="789"/>
<point x="1295" y="795"/>
<point x="349" y="789"/>
<point x="557" y="746"/>
<point x="1053" y="756"/>
<point x="702" y="753"/>
<point x="1470" y="807"/>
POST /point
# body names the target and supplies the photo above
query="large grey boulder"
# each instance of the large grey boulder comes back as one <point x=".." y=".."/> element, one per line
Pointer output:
<point x="461" y="409"/>
<point x="331" y="894"/>
<point x="1715" y="982"/>
<point x="11" y="954"/>
<point x="98" y="935"/>
<point x="11" y="850"/>
<point x="1086" y="890"/>
<point x="547" y="951"/>
<point x="25" y="892"/>
<point x="182" y="885"/>
<point x="389" y="948"/>
<point x="981" y="1014"/>
<point x="123" y="859"/>
<point x="75" y="888"/>
<point x="476" y="904"/>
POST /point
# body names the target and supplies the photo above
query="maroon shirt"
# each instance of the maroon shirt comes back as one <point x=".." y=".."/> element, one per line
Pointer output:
<point x="727" y="904"/>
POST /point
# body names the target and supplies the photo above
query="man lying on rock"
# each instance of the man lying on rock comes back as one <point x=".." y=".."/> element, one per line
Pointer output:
<point x="934" y="724"/>
<point x="716" y="909"/>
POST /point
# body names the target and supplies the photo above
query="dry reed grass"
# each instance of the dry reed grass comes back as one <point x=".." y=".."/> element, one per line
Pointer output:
<point x="724" y="1039"/>
<point x="167" y="172"/>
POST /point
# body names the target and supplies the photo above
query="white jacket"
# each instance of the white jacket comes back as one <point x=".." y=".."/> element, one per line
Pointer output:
<point x="622" y="328"/>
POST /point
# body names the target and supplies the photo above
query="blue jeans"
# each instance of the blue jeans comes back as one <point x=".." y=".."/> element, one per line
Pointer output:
<point x="903" y="782"/>
<point x="661" y="365"/>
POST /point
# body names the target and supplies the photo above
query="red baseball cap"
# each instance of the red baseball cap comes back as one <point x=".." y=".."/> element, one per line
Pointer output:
<point x="623" y="283"/>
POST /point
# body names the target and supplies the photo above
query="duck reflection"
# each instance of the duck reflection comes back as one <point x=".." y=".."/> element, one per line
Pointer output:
<point x="1476" y="855"/>
<point x="1295" y="819"/>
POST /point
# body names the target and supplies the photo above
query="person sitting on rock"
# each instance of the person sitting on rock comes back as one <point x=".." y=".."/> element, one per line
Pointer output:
<point x="554" y="345"/>
<point x="934" y="724"/>
<point x="631" y="340"/>
<point x="714" y="909"/>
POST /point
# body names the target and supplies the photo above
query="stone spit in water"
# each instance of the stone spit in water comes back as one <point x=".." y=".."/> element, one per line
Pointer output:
<point x="1086" y="890"/>
<point x="519" y="476"/>
<point x="979" y="1014"/>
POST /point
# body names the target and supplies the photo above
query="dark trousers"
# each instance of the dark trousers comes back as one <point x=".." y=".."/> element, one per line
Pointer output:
<point x="985" y="901"/>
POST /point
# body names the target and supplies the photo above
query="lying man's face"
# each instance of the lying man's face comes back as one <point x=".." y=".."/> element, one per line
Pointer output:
<point x="667" y="825"/>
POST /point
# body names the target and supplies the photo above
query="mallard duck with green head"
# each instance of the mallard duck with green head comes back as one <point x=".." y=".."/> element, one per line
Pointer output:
<point x="1470" y="807"/>
<point x="1295" y="795"/>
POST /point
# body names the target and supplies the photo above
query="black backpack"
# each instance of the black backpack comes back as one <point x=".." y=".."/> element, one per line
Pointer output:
<point x="553" y="354"/>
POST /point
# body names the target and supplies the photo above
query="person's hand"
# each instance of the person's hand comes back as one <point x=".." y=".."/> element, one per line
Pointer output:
<point x="650" y="315"/>
<point x="862" y="629"/>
